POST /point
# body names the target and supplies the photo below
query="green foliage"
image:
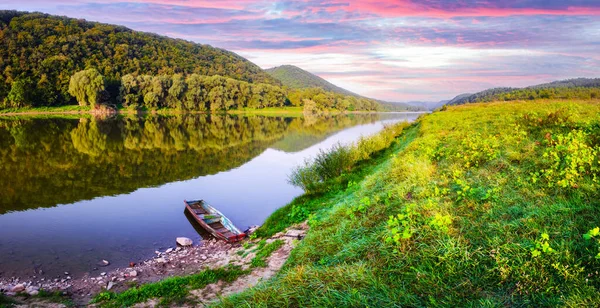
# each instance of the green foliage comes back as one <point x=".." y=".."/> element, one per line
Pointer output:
<point x="581" y="88"/>
<point x="264" y="251"/>
<point x="314" y="174"/>
<point x="21" y="94"/>
<point x="298" y="213"/>
<point x="170" y="290"/>
<point x="569" y="158"/>
<point x="296" y="78"/>
<point x="86" y="86"/>
<point x="197" y="93"/>
<point x="6" y="302"/>
<point x="50" y="49"/>
<point x="595" y="235"/>
<point x="542" y="246"/>
<point x="402" y="226"/>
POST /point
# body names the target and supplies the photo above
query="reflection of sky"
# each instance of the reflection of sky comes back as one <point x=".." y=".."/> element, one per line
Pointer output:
<point x="131" y="226"/>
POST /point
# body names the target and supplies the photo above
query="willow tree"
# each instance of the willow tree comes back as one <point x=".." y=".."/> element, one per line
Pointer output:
<point x="86" y="87"/>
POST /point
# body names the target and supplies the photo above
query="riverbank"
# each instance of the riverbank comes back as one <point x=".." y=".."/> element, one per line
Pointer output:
<point x="208" y="256"/>
<point x="87" y="111"/>
<point x="479" y="205"/>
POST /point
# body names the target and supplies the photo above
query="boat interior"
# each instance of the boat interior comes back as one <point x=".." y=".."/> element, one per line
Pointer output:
<point x="213" y="220"/>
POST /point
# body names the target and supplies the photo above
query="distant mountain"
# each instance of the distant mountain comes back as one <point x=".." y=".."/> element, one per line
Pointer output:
<point x="297" y="78"/>
<point x="45" y="51"/>
<point x="570" y="88"/>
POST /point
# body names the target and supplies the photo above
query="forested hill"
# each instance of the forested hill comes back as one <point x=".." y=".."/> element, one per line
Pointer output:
<point x="581" y="88"/>
<point x="43" y="51"/>
<point x="297" y="78"/>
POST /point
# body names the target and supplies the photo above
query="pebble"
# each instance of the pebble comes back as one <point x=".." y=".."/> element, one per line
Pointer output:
<point x="103" y="274"/>
<point x="103" y="263"/>
<point x="66" y="273"/>
<point x="169" y="250"/>
<point x="133" y="274"/>
<point x="110" y="285"/>
<point x="184" y="241"/>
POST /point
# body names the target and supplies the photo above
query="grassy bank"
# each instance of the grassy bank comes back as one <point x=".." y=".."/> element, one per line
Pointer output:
<point x="76" y="109"/>
<point x="480" y="205"/>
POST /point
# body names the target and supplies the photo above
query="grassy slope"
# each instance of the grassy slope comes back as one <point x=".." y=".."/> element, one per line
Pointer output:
<point x="494" y="200"/>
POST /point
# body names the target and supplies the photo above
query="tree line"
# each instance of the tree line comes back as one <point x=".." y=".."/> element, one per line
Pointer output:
<point x="580" y="88"/>
<point x="194" y="93"/>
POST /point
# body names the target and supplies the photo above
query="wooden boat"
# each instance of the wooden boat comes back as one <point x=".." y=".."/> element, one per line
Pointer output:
<point x="214" y="221"/>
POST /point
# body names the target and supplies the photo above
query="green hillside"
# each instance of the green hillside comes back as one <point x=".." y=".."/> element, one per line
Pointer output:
<point x="40" y="52"/>
<point x="579" y="88"/>
<point x="297" y="78"/>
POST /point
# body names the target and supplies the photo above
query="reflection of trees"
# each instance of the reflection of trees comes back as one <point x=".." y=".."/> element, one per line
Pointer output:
<point x="88" y="139"/>
<point x="45" y="162"/>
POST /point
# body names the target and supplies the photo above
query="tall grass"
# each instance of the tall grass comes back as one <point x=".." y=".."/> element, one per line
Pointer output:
<point x="313" y="175"/>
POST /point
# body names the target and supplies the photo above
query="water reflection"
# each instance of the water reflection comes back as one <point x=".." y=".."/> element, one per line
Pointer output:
<point x="46" y="162"/>
<point x="76" y="191"/>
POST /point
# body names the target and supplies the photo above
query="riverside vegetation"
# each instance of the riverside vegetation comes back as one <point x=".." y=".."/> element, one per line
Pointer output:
<point x="479" y="205"/>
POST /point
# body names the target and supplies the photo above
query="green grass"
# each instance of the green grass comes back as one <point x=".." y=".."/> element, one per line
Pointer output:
<point x="6" y="301"/>
<point x="478" y="205"/>
<point x="264" y="251"/>
<point x="55" y="297"/>
<point x="58" y="109"/>
<point x="172" y="290"/>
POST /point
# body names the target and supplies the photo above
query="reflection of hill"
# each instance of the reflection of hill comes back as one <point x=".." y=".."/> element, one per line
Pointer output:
<point x="45" y="162"/>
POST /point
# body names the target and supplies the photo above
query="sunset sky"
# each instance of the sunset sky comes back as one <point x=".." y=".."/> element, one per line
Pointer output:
<point x="394" y="50"/>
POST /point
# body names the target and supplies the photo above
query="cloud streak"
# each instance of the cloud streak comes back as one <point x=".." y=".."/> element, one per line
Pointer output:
<point x="395" y="50"/>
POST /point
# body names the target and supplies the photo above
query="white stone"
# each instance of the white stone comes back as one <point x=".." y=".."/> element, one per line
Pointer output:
<point x="110" y="285"/>
<point x="18" y="288"/>
<point x="184" y="241"/>
<point x="103" y="274"/>
<point x="133" y="274"/>
<point x="169" y="250"/>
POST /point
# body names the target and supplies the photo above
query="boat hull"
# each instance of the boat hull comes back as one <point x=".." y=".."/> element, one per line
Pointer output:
<point x="232" y="233"/>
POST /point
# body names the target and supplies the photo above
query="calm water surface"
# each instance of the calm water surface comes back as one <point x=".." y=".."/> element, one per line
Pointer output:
<point x="76" y="191"/>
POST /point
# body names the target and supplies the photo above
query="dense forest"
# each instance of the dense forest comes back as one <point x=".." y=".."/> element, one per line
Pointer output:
<point x="41" y="52"/>
<point x="580" y="88"/>
<point x="54" y="61"/>
<point x="58" y="161"/>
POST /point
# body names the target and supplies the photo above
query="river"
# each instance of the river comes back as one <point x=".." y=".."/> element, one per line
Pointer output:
<point x="75" y="191"/>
